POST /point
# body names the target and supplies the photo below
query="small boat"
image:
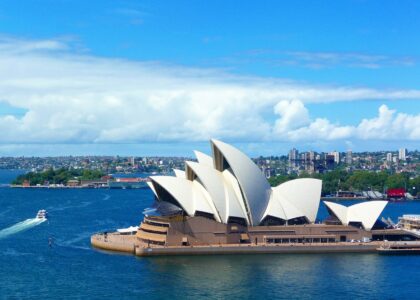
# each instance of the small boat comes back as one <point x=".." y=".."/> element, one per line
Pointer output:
<point x="42" y="214"/>
<point x="128" y="231"/>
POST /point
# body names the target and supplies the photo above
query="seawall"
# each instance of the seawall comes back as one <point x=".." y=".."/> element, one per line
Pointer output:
<point x="114" y="242"/>
<point x="257" y="249"/>
<point x="129" y="244"/>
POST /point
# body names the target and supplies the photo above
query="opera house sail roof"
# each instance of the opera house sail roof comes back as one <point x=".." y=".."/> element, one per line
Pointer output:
<point x="229" y="186"/>
<point x="223" y="204"/>
<point x="365" y="213"/>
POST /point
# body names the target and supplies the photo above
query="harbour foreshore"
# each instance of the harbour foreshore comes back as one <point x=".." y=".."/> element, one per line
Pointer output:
<point x="130" y="244"/>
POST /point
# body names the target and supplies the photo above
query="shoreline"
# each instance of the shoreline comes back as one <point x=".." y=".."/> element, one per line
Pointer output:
<point x="54" y="187"/>
<point x="107" y="187"/>
<point x="129" y="244"/>
<point x="366" y="199"/>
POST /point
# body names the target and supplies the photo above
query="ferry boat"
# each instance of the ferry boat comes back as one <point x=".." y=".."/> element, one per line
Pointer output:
<point x="412" y="247"/>
<point x="42" y="214"/>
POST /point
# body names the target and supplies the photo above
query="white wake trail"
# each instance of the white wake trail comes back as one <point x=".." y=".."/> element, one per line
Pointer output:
<point x="19" y="227"/>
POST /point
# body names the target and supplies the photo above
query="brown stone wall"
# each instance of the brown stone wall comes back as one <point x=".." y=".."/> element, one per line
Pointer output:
<point x="203" y="231"/>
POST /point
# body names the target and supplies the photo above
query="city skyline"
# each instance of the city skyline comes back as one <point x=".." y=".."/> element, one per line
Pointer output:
<point x="127" y="78"/>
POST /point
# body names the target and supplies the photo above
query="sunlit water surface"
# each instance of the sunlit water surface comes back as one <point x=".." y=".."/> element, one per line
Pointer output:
<point x="71" y="269"/>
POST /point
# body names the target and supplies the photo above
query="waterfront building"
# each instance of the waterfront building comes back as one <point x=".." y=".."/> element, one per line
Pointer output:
<point x="229" y="186"/>
<point x="224" y="204"/>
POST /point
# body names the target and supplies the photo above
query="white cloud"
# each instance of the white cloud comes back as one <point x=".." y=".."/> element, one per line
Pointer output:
<point x="388" y="125"/>
<point x="74" y="98"/>
<point x="292" y="115"/>
<point x="348" y="59"/>
<point x="318" y="60"/>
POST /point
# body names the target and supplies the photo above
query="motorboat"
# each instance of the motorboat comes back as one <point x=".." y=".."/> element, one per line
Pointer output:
<point x="42" y="214"/>
<point x="128" y="231"/>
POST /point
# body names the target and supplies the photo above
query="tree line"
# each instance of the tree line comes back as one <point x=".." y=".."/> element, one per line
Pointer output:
<point x="59" y="176"/>
<point x="357" y="181"/>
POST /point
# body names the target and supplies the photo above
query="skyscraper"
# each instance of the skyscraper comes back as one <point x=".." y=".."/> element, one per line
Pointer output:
<point x="389" y="157"/>
<point x="336" y="155"/>
<point x="349" y="157"/>
<point x="293" y="154"/>
<point x="402" y="154"/>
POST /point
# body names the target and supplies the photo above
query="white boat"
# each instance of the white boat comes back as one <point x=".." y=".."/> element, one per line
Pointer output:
<point x="42" y="214"/>
<point x="128" y="231"/>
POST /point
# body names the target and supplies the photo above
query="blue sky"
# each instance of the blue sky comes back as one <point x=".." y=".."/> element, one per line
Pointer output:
<point x="268" y="75"/>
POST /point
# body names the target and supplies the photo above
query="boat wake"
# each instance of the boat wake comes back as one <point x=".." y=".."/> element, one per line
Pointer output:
<point x="21" y="226"/>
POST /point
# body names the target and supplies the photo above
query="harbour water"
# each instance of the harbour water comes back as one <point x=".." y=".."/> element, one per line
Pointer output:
<point x="70" y="269"/>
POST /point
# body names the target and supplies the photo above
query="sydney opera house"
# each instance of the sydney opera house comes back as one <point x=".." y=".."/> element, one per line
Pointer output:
<point x="225" y="202"/>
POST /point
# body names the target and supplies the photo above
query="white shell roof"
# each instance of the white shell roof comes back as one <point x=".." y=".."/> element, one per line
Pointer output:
<point x="366" y="212"/>
<point x="150" y="184"/>
<point x="275" y="209"/>
<point x="188" y="195"/>
<point x="232" y="185"/>
<point x="179" y="173"/>
<point x="220" y="189"/>
<point x="234" y="202"/>
<point x="204" y="159"/>
<point x="254" y="185"/>
<point x="298" y="198"/>
<point x="211" y="179"/>
<point x="203" y="201"/>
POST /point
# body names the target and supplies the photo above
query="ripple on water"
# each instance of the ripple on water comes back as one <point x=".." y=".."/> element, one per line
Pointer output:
<point x="30" y="269"/>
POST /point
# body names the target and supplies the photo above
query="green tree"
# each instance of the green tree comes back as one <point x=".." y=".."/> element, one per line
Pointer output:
<point x="414" y="186"/>
<point x="397" y="181"/>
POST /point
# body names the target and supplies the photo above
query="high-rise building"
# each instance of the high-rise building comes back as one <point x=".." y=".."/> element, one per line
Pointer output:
<point x="389" y="157"/>
<point x="402" y="154"/>
<point x="329" y="161"/>
<point x="336" y="155"/>
<point x="293" y="154"/>
<point x="312" y="155"/>
<point x="349" y="157"/>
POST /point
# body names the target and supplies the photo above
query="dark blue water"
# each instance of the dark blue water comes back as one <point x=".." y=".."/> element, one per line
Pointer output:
<point x="30" y="269"/>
